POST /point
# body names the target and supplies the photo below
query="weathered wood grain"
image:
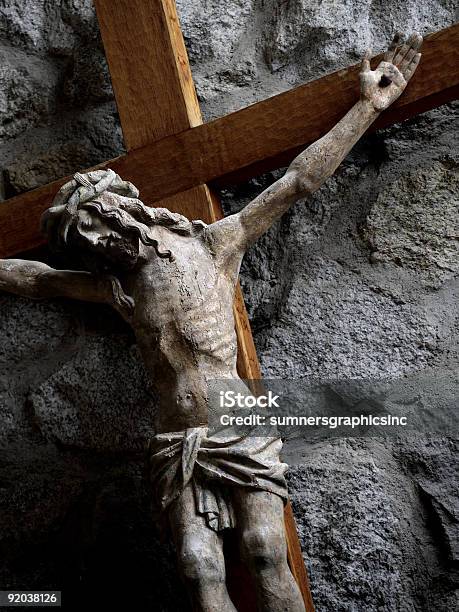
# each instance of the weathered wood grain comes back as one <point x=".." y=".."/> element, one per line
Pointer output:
<point x="280" y="125"/>
<point x="255" y="139"/>
<point x="149" y="67"/>
<point x="295" y="558"/>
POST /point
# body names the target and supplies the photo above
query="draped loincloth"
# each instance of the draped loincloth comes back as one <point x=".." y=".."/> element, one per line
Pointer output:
<point x="210" y="464"/>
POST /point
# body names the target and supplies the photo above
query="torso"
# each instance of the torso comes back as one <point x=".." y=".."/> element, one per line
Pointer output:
<point x="184" y="325"/>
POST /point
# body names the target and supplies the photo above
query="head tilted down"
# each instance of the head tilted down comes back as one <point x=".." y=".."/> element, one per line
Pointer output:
<point x="98" y="219"/>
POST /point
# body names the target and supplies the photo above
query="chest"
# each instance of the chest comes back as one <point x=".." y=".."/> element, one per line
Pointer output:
<point x="189" y="288"/>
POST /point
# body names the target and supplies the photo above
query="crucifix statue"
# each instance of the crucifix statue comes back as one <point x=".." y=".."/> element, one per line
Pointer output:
<point x="173" y="281"/>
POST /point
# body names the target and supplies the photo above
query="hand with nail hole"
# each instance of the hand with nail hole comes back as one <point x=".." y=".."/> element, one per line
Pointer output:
<point x="384" y="85"/>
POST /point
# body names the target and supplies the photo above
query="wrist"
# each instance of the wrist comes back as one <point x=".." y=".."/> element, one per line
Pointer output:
<point x="368" y="109"/>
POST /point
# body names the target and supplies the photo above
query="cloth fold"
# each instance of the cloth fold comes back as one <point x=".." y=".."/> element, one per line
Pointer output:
<point x="212" y="464"/>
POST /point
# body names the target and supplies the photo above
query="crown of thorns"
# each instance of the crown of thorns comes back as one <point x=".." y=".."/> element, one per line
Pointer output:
<point x="81" y="189"/>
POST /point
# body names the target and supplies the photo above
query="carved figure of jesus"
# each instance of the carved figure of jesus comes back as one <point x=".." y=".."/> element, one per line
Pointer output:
<point x="173" y="280"/>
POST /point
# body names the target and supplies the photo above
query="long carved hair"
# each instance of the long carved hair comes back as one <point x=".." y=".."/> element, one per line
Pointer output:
<point x="116" y="202"/>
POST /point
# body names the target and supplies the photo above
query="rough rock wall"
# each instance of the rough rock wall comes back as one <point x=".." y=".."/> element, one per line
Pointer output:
<point x="357" y="282"/>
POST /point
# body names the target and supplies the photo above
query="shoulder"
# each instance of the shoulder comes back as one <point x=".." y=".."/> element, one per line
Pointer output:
<point x="224" y="235"/>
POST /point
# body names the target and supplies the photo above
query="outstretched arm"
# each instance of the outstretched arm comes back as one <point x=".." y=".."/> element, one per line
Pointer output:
<point x="307" y="172"/>
<point x="36" y="280"/>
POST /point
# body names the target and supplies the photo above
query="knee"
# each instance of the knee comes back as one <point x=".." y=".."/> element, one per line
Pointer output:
<point x="200" y="566"/>
<point x="263" y="549"/>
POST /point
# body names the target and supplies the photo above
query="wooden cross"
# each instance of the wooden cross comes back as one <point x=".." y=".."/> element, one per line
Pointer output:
<point x="171" y="155"/>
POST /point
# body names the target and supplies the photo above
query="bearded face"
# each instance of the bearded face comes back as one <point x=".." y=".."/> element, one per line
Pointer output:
<point x="101" y="242"/>
<point x="106" y="233"/>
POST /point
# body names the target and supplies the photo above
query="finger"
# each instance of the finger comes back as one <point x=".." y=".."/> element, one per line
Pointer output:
<point x="412" y="67"/>
<point x="391" y="51"/>
<point x="366" y="81"/>
<point x="366" y="61"/>
<point x="413" y="43"/>
<point x="401" y="53"/>
<point x="407" y="59"/>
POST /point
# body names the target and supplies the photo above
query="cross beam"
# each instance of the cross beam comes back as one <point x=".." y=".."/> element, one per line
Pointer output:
<point x="261" y="137"/>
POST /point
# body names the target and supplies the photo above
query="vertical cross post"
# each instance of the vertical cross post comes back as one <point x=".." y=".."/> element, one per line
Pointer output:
<point x="156" y="98"/>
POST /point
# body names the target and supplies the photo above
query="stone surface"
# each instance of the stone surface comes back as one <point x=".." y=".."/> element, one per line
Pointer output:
<point x="375" y="544"/>
<point x="80" y="140"/>
<point x="54" y="88"/>
<point x="419" y="232"/>
<point x="263" y="47"/>
<point x="114" y="414"/>
<point x="28" y="89"/>
<point x="348" y="284"/>
<point x="87" y="77"/>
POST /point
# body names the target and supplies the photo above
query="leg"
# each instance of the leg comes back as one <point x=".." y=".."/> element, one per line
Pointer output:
<point x="260" y="517"/>
<point x="200" y="556"/>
